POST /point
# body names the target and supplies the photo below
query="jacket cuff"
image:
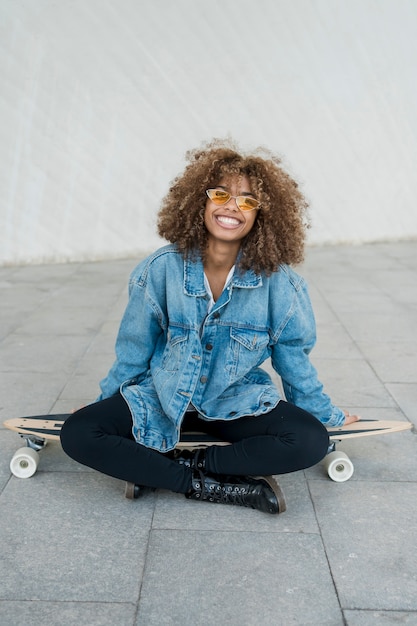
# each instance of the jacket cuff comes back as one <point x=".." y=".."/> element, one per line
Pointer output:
<point x="337" y="417"/>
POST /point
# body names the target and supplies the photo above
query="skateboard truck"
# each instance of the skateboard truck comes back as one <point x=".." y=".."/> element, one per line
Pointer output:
<point x="35" y="443"/>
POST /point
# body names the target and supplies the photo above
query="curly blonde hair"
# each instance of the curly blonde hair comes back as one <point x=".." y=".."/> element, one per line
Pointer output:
<point x="279" y="231"/>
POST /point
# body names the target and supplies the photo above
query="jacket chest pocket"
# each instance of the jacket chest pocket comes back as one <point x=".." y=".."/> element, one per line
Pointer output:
<point x="175" y="349"/>
<point x="248" y="349"/>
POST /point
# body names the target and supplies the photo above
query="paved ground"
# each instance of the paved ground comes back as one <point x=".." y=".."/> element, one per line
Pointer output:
<point x="75" y="551"/>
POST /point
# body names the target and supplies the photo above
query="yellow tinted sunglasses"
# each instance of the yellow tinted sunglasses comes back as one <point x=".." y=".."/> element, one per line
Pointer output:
<point x="244" y="203"/>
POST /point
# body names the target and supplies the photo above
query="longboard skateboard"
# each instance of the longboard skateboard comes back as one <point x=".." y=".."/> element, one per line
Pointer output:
<point x="38" y="429"/>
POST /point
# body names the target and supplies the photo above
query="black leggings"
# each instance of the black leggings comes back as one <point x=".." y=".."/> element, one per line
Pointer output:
<point x="284" y="440"/>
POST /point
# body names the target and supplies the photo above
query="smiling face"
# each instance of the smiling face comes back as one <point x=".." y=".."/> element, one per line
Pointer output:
<point x="227" y="223"/>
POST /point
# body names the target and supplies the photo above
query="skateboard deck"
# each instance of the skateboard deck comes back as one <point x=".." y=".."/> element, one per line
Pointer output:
<point x="46" y="427"/>
<point x="38" y="429"/>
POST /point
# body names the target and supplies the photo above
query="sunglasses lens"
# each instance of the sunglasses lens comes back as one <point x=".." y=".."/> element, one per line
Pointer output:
<point x="247" y="204"/>
<point x="218" y="196"/>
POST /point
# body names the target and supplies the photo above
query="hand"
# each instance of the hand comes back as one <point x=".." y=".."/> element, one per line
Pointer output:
<point x="349" y="419"/>
<point x="80" y="407"/>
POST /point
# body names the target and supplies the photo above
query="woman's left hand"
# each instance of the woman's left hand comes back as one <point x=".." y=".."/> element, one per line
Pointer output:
<point x="349" y="419"/>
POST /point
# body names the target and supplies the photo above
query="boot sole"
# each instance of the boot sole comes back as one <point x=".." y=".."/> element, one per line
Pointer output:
<point x="279" y="494"/>
<point x="134" y="491"/>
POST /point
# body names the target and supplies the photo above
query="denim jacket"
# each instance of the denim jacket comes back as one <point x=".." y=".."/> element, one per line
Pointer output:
<point x="171" y="352"/>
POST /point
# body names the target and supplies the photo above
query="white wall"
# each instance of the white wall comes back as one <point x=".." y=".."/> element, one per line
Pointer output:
<point x="100" y="99"/>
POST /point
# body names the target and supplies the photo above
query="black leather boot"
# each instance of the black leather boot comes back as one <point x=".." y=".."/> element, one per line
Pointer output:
<point x="194" y="459"/>
<point x="134" y="491"/>
<point x="256" y="492"/>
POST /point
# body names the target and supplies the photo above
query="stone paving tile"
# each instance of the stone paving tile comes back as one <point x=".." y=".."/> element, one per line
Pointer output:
<point x="392" y="361"/>
<point x="367" y="300"/>
<point x="367" y="534"/>
<point x="380" y="618"/>
<point x="352" y="382"/>
<point x="209" y="578"/>
<point x="49" y="274"/>
<point x="79" y="386"/>
<point x="66" y="613"/>
<point x="110" y="327"/>
<point x="73" y="537"/>
<point x="399" y="284"/>
<point x="8" y="446"/>
<point x="29" y="393"/>
<point x="382" y="326"/>
<point x="334" y="342"/>
<point x="30" y="353"/>
<point x="406" y="397"/>
<point x="94" y="366"/>
<point x="59" y="320"/>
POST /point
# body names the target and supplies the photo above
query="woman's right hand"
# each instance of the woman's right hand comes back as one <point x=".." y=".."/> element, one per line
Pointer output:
<point x="349" y="419"/>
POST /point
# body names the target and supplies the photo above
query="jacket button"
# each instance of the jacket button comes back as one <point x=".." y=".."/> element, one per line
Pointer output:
<point x="232" y="412"/>
<point x="267" y="403"/>
<point x="216" y="315"/>
<point x="203" y="379"/>
<point x="209" y="346"/>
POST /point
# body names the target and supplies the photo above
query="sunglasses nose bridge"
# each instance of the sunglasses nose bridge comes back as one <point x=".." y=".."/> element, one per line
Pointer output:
<point x="234" y="205"/>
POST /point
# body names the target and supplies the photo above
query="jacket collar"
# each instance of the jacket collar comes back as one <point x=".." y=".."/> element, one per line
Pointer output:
<point x="194" y="278"/>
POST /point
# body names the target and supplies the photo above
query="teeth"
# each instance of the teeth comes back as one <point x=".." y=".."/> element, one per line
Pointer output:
<point x="228" y="220"/>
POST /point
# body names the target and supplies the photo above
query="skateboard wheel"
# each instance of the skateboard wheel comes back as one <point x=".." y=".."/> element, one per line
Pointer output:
<point x="24" y="463"/>
<point x="338" y="466"/>
<point x="130" y="491"/>
<point x="133" y="491"/>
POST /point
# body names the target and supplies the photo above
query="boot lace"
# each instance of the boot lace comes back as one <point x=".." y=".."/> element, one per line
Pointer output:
<point x="223" y="493"/>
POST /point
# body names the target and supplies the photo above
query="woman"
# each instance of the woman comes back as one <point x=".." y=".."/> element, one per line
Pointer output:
<point x="203" y="314"/>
